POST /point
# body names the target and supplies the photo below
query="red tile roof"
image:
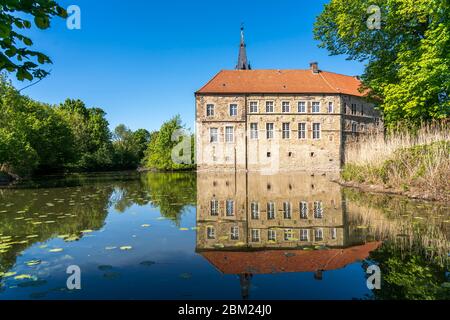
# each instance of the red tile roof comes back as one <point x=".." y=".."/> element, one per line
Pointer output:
<point x="277" y="261"/>
<point x="281" y="81"/>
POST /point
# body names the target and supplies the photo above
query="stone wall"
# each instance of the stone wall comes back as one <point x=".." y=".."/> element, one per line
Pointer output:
<point x="279" y="153"/>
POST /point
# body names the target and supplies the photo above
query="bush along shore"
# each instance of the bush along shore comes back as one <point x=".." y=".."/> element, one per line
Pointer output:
<point x="415" y="164"/>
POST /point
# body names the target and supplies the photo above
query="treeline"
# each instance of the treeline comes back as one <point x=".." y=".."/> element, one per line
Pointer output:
<point x="40" y="138"/>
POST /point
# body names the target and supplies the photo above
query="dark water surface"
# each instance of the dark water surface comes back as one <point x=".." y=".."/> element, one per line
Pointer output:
<point x="218" y="236"/>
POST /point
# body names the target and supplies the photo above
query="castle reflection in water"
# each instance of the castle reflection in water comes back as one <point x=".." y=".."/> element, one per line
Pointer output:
<point x="290" y="222"/>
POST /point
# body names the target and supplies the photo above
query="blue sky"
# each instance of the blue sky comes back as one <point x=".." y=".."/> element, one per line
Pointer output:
<point x="141" y="61"/>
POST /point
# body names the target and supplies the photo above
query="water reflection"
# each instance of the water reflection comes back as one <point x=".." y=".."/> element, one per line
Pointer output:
<point x="239" y="232"/>
<point x="252" y="224"/>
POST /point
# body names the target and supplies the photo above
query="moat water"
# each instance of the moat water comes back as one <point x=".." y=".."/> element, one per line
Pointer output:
<point x="218" y="236"/>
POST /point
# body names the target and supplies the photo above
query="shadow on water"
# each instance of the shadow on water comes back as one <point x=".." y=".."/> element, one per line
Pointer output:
<point x="246" y="226"/>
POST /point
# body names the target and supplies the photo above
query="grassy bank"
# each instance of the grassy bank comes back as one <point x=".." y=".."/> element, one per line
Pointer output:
<point x="415" y="164"/>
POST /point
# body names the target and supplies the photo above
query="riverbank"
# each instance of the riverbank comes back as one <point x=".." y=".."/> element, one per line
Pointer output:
<point x="415" y="166"/>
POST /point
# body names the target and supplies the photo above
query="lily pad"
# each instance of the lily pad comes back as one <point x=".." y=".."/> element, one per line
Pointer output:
<point x="147" y="263"/>
<point x="126" y="248"/>
<point x="55" y="250"/>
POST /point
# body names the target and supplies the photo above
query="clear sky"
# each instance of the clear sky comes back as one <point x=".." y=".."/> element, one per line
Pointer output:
<point x="141" y="61"/>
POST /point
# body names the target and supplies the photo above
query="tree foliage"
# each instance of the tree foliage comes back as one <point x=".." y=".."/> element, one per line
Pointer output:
<point x="15" y="53"/>
<point x="40" y="138"/>
<point x="408" y="59"/>
<point x="162" y="143"/>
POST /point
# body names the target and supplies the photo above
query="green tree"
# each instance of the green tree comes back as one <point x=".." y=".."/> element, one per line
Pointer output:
<point x="408" y="59"/>
<point x="91" y="134"/>
<point x="129" y="146"/>
<point x="32" y="135"/>
<point x="159" y="153"/>
<point x="15" y="53"/>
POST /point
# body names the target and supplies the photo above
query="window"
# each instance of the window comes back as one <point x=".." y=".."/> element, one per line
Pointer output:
<point x="330" y="107"/>
<point x="334" y="233"/>
<point x="353" y="108"/>
<point x="302" y="107"/>
<point x="269" y="130"/>
<point x="318" y="210"/>
<point x="316" y="107"/>
<point x="253" y="131"/>
<point x="316" y="131"/>
<point x="288" y="235"/>
<point x="287" y="213"/>
<point x="304" y="234"/>
<point x="271" y="235"/>
<point x="234" y="233"/>
<point x="213" y="135"/>
<point x="302" y="131"/>
<point x="233" y="110"/>
<point x="285" y="106"/>
<point x="354" y="127"/>
<point x="286" y="131"/>
<point x="253" y="106"/>
<point x="230" y="208"/>
<point x="209" y="110"/>
<point x="254" y="207"/>
<point x="214" y="208"/>
<point x="362" y="109"/>
<point x="270" y="211"/>
<point x="256" y="235"/>
<point x="303" y="210"/>
<point x="377" y="121"/>
<point x="269" y="106"/>
<point x="318" y="235"/>
<point x="210" y="233"/>
<point x="229" y="134"/>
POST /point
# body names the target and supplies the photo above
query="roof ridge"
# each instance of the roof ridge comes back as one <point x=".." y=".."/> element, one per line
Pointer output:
<point x="326" y="81"/>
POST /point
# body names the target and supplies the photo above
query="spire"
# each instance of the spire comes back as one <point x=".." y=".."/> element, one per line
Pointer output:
<point x="242" y="59"/>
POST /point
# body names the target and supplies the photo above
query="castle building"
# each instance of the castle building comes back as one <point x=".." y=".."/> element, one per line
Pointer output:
<point x="279" y="120"/>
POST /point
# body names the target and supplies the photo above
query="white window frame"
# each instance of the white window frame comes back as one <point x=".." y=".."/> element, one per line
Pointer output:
<point x="272" y="235"/>
<point x="304" y="234"/>
<point x="233" y="107"/>
<point x="228" y="134"/>
<point x="333" y="233"/>
<point x="287" y="210"/>
<point x="229" y="208"/>
<point x="215" y="135"/>
<point x="272" y="106"/>
<point x="271" y="131"/>
<point x="271" y="215"/>
<point x="210" y="112"/>
<point x="253" y="107"/>
<point x="284" y="105"/>
<point x="318" y="210"/>
<point x="254" y="210"/>
<point x="254" y="132"/>
<point x="234" y="233"/>
<point x="303" y="103"/>
<point x="288" y="234"/>
<point x="313" y="104"/>
<point x="214" y="209"/>
<point x="286" y="134"/>
<point x="354" y="127"/>
<point x="303" y="210"/>
<point x="303" y="131"/>
<point x="318" y="234"/>
<point x="255" y="235"/>
<point x="316" y="134"/>
<point x="210" y="233"/>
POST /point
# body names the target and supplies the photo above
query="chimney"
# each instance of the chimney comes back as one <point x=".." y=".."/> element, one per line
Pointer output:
<point x="314" y="66"/>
